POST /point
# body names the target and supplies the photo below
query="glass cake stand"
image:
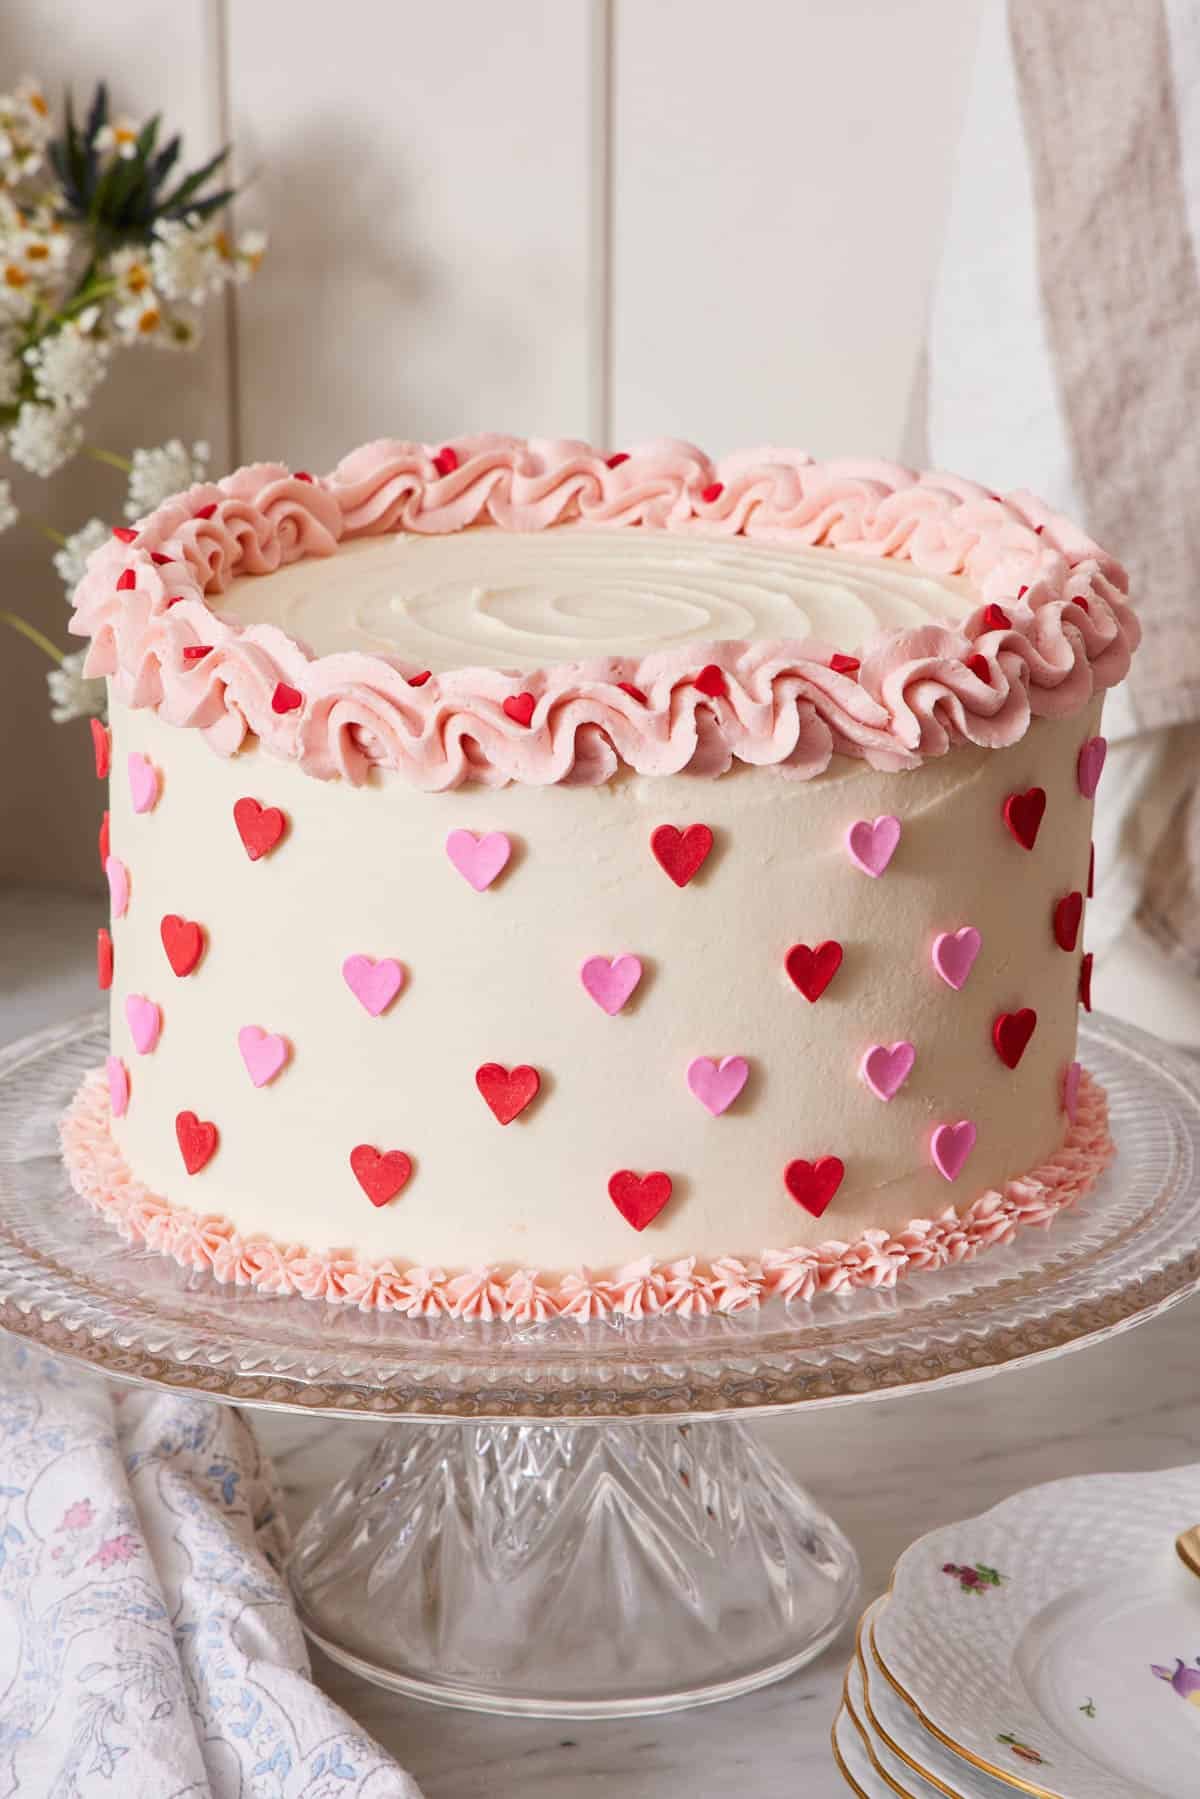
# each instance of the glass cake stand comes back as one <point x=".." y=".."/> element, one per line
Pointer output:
<point x="573" y="1519"/>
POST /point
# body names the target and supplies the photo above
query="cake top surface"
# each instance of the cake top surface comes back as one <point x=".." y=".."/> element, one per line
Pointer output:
<point x="492" y="610"/>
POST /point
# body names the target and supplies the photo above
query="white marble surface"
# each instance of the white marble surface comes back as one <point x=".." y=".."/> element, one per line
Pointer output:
<point x="887" y="1471"/>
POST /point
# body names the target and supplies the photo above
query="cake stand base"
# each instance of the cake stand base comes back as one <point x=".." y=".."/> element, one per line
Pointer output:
<point x="572" y="1571"/>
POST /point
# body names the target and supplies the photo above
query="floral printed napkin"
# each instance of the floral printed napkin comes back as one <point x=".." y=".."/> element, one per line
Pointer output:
<point x="147" y="1642"/>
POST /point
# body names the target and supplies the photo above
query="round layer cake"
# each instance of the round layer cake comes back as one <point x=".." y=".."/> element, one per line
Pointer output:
<point x="544" y="882"/>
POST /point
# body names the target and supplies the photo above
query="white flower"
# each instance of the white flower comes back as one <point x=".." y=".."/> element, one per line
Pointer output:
<point x="186" y="259"/>
<point x="142" y="320"/>
<point x="8" y="512"/>
<point x="17" y="293"/>
<point x="71" y="696"/>
<point x="130" y="269"/>
<point x="71" y="561"/>
<point x="68" y="367"/>
<point x="120" y="135"/>
<point x="160" y="474"/>
<point x="43" y="438"/>
<point x="247" y="257"/>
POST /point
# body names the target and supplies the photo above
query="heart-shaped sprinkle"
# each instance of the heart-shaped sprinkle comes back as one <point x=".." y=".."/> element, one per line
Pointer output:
<point x="710" y="494"/>
<point x="845" y="665"/>
<point x="1068" y="915"/>
<point x="872" y="843"/>
<point x="118" y="1086"/>
<point x="954" y="954"/>
<point x="446" y="460"/>
<point x="711" y="681"/>
<point x="143" y="783"/>
<point x="1070" y="1089"/>
<point x="183" y="941"/>
<point x="124" y="534"/>
<point x="1023" y="814"/>
<point x="611" y="983"/>
<point x="1011" y="1032"/>
<point x="104" y="843"/>
<point x="478" y="859"/>
<point x="635" y="693"/>
<point x="159" y="560"/>
<point x="286" y="699"/>
<point x="196" y="652"/>
<point x="717" y="1084"/>
<point x="205" y="511"/>
<point x="373" y="984"/>
<point x="885" y="1069"/>
<point x="811" y="970"/>
<point x="813" y="1184"/>
<point x="126" y="581"/>
<point x="681" y="853"/>
<point x="102" y="749"/>
<point x="259" y="827"/>
<point x="519" y="707"/>
<point x="996" y="619"/>
<point x="118" y="885"/>
<point x="420" y="678"/>
<point x="639" y="1198"/>
<point x="380" y="1173"/>
<point x="302" y="474"/>
<point x="980" y="667"/>
<point x="263" y="1053"/>
<point x="197" y="1140"/>
<point x="145" y="1022"/>
<point x="1085" y="982"/>
<point x="507" y="1091"/>
<point x="950" y="1146"/>
<point x="1091" y="766"/>
<point x="104" y="960"/>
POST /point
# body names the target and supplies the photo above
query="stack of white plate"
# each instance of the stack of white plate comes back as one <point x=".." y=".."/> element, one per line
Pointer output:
<point x="1051" y="1646"/>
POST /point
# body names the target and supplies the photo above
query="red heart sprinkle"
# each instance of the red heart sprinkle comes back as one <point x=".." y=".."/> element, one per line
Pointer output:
<point x="681" y="853"/>
<point x="259" y="827"/>
<point x="1022" y="591"/>
<point x="639" y="1198"/>
<point x="845" y="665"/>
<point x="156" y="556"/>
<point x="104" y="840"/>
<point x="1038" y="529"/>
<point x="506" y="1091"/>
<point x="172" y="600"/>
<point x="1082" y="604"/>
<point x="183" y="941"/>
<point x="811" y="970"/>
<point x="996" y="619"/>
<point x="635" y="693"/>
<point x="196" y="652"/>
<point x="711" y="681"/>
<point x="381" y="1175"/>
<point x="1023" y="815"/>
<point x="980" y="666"/>
<point x="1068" y="915"/>
<point x="1091" y="886"/>
<point x="302" y="474"/>
<point x="519" y="707"/>
<point x="104" y="960"/>
<point x="712" y="492"/>
<point x="419" y="680"/>
<point x="1085" y="982"/>
<point x="124" y="533"/>
<point x="205" y="511"/>
<point x="445" y="462"/>
<point x="126" y="581"/>
<point x="813" y="1184"/>
<point x="1011" y="1033"/>
<point x="285" y="698"/>
<point x="616" y="459"/>
<point x="197" y="1140"/>
<point x="102" y="746"/>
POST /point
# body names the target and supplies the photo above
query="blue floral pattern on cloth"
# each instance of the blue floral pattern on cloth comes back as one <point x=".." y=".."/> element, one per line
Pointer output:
<point x="148" y="1645"/>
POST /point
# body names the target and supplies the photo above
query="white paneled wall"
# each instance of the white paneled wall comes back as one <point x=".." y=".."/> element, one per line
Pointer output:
<point x="616" y="218"/>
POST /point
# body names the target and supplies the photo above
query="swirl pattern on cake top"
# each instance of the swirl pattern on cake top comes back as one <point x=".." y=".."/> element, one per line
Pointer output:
<point x="1033" y="618"/>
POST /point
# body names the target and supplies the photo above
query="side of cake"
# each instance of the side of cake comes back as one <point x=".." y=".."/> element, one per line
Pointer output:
<point x="620" y="883"/>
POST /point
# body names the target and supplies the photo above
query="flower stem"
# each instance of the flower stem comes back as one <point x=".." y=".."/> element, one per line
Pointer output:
<point x="110" y="457"/>
<point x="36" y="524"/>
<point x="34" y="635"/>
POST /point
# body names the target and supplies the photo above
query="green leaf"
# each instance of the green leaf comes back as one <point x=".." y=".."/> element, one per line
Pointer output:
<point x="202" y="209"/>
<point x="97" y="117"/>
<point x="164" y="162"/>
<point x="177" y="201"/>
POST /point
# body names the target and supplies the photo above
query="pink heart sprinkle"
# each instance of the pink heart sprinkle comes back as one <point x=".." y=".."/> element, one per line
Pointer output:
<point x="374" y="984"/>
<point x="118" y="885"/>
<point x="1091" y="766"/>
<point x="950" y="1146"/>
<point x="144" y="1020"/>
<point x="954" y="954"/>
<point x="886" y="1070"/>
<point x="1070" y="1093"/>
<point x="118" y="1086"/>
<point x="143" y="783"/>
<point x="263" y="1055"/>
<point x="872" y="845"/>
<point x="610" y="983"/>
<point x="478" y="859"/>
<point x="717" y="1084"/>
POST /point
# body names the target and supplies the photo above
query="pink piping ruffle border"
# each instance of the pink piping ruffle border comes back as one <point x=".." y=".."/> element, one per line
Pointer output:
<point x="1067" y="631"/>
<point x="878" y="1258"/>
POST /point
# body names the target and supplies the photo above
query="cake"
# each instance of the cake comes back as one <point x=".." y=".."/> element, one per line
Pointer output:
<point x="547" y="882"/>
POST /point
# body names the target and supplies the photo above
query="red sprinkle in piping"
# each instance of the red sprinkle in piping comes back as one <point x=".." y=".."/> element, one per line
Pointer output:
<point x="419" y="680"/>
<point x="124" y="533"/>
<point x="205" y="511"/>
<point x="845" y="665"/>
<point x="194" y="651"/>
<point x="712" y="492"/>
<point x="126" y="580"/>
<point x="446" y="460"/>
